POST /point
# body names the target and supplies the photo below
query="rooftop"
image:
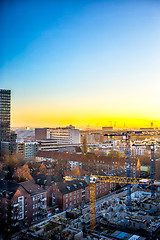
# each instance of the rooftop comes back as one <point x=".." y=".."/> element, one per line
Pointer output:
<point x="32" y="188"/>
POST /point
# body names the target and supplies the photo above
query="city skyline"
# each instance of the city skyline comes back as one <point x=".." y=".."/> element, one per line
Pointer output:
<point x="83" y="63"/>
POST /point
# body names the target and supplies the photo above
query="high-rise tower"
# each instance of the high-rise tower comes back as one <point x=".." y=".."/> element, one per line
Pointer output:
<point x="5" y="113"/>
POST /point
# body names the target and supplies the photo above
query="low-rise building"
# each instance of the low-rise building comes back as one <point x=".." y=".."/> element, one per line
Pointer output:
<point x="24" y="202"/>
<point x="70" y="194"/>
<point x="37" y="200"/>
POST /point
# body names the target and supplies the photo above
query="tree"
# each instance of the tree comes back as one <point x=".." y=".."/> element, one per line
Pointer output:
<point x="85" y="145"/>
<point x="23" y="174"/>
<point x="11" y="162"/>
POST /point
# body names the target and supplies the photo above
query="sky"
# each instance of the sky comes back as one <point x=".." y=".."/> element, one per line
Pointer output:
<point x="83" y="62"/>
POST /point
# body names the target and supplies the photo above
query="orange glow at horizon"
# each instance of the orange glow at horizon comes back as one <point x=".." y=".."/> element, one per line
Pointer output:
<point x="83" y="112"/>
<point x="42" y="119"/>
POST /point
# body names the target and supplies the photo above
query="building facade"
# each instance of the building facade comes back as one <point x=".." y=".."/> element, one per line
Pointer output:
<point x="5" y="110"/>
<point x="66" y="135"/>
<point x="24" y="202"/>
<point x="27" y="150"/>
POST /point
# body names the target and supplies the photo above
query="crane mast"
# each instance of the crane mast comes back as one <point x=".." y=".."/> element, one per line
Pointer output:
<point x="128" y="166"/>
<point x="92" y="194"/>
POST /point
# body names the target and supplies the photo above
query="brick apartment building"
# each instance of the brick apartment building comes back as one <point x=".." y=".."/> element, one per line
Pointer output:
<point x="25" y="202"/>
<point x="37" y="200"/>
<point x="89" y="162"/>
<point x="46" y="182"/>
<point x="70" y="194"/>
<point x="47" y="168"/>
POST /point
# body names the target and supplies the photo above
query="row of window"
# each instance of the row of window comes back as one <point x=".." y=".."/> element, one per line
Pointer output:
<point x="37" y="205"/>
<point x="37" y="197"/>
<point x="35" y="213"/>
<point x="70" y="204"/>
<point x="70" y="194"/>
<point x="71" y="198"/>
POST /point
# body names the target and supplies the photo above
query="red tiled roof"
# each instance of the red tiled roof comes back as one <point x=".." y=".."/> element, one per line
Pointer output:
<point x="76" y="157"/>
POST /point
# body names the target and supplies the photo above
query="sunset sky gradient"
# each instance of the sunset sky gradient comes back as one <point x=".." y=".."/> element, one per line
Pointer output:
<point x="81" y="62"/>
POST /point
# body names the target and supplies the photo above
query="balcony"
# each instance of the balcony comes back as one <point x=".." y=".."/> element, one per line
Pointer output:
<point x="43" y="207"/>
<point x="16" y="205"/>
<point x="43" y="199"/>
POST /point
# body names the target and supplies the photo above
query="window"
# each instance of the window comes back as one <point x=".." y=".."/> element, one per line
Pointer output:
<point x="66" y="205"/>
<point x="33" y="206"/>
<point x="74" y="197"/>
<point x="66" y="200"/>
<point x="70" y="194"/>
<point x="74" y="202"/>
<point x="66" y="195"/>
<point x="70" y="199"/>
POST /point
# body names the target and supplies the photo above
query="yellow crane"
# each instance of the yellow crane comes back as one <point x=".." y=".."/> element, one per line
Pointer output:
<point x="112" y="179"/>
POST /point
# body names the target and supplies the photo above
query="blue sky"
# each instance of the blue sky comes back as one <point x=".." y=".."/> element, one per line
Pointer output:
<point x="80" y="62"/>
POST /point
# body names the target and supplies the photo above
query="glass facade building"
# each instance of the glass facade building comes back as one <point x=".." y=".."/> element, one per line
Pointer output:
<point x="5" y="113"/>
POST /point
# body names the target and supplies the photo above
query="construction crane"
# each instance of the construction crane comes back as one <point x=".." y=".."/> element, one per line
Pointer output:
<point x="126" y="180"/>
<point x="93" y="179"/>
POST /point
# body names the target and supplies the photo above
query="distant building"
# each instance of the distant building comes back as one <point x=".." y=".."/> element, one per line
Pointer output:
<point x="52" y="145"/>
<point x="42" y="133"/>
<point x="92" y="136"/>
<point x="106" y="129"/>
<point x="25" y="134"/>
<point x="27" y="150"/>
<point x="66" y="135"/>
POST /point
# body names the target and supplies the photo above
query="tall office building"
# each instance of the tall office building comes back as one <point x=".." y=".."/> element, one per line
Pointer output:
<point x="5" y="110"/>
